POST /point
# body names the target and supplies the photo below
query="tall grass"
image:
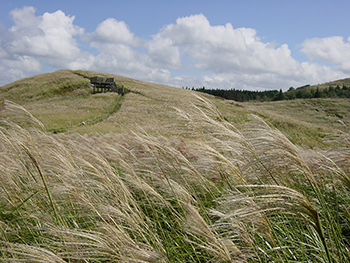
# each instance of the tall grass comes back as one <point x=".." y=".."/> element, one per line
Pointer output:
<point x="220" y="195"/>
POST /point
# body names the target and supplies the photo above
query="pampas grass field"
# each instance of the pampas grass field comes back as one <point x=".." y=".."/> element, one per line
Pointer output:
<point x="222" y="194"/>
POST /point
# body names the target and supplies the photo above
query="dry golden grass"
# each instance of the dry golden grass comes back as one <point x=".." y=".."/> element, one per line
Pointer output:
<point x="216" y="196"/>
<point x="305" y="121"/>
<point x="62" y="101"/>
<point x="171" y="177"/>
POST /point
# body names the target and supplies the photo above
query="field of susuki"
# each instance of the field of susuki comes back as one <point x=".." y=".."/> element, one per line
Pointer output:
<point x="164" y="174"/>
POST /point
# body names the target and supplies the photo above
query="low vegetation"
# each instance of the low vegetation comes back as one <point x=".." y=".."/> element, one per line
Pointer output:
<point x="335" y="89"/>
<point x="222" y="194"/>
<point x="169" y="175"/>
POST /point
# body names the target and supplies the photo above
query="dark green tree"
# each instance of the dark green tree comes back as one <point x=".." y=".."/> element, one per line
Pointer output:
<point x="280" y="95"/>
<point x="318" y="93"/>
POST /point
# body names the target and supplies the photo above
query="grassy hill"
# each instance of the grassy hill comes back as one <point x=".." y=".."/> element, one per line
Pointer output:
<point x="333" y="89"/>
<point x="164" y="174"/>
<point x="334" y="84"/>
<point x="62" y="100"/>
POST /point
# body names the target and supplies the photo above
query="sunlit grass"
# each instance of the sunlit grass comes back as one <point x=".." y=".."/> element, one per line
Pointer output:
<point x="222" y="194"/>
<point x="160" y="175"/>
<point x="150" y="106"/>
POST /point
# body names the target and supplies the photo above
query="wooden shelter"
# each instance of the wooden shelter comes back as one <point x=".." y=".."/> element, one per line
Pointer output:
<point x="101" y="84"/>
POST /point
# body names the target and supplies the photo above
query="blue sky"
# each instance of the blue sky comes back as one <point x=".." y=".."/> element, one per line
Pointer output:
<point x="254" y="45"/>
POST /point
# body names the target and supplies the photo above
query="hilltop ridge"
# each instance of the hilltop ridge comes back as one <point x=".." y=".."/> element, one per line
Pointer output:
<point x="334" y="83"/>
<point x="63" y="102"/>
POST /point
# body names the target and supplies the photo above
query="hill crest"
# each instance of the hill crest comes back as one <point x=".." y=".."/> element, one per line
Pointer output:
<point x="63" y="102"/>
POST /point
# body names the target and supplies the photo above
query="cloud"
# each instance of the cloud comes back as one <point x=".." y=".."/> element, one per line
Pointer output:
<point x="331" y="50"/>
<point x="18" y="67"/>
<point x="113" y="31"/>
<point x="25" y="21"/>
<point x="124" y="60"/>
<point x="34" y="41"/>
<point x="222" y="49"/>
<point x="52" y="40"/>
<point x="48" y="36"/>
<point x="231" y="58"/>
<point x="164" y="53"/>
<point x="118" y="53"/>
<point x="23" y="63"/>
<point x="190" y="52"/>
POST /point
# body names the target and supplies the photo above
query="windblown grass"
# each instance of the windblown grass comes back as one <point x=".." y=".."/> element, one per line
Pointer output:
<point x="223" y="194"/>
<point x="305" y="121"/>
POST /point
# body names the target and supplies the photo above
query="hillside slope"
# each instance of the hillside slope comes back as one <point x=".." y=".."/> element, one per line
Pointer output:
<point x="62" y="101"/>
<point x="165" y="175"/>
<point x="334" y="83"/>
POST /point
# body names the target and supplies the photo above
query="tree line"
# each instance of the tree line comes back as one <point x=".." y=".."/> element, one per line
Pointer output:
<point x="274" y="95"/>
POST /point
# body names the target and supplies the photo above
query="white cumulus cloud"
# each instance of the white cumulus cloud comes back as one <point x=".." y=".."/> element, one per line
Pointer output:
<point x="113" y="31"/>
<point x="190" y="52"/>
<point x="230" y="58"/>
<point x="47" y="36"/>
<point x="222" y="49"/>
<point x="117" y="53"/>
<point x="164" y="53"/>
<point x="331" y="50"/>
<point x="37" y="41"/>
